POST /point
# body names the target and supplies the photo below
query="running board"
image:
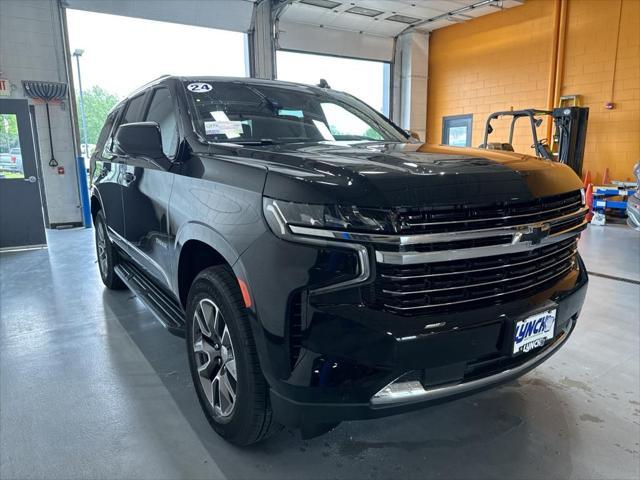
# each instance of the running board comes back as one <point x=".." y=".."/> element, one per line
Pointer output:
<point x="166" y="310"/>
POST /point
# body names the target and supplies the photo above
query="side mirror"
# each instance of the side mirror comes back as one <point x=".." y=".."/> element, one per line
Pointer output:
<point x="141" y="139"/>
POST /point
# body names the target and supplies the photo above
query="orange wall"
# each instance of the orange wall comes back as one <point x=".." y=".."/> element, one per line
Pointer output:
<point x="503" y="60"/>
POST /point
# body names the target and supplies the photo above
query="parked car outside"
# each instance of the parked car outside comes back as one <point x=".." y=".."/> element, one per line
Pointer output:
<point x="321" y="264"/>
<point x="11" y="163"/>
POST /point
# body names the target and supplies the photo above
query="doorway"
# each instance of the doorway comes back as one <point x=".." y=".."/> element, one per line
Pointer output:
<point x="21" y="221"/>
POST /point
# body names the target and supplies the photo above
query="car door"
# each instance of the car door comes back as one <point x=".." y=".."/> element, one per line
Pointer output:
<point x="21" y="221"/>
<point x="106" y="173"/>
<point x="146" y="190"/>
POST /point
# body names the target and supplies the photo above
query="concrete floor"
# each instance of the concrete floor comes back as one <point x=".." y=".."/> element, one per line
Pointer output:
<point x="92" y="387"/>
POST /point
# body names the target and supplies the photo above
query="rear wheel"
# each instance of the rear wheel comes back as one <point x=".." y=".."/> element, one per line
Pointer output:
<point x="107" y="255"/>
<point x="223" y="359"/>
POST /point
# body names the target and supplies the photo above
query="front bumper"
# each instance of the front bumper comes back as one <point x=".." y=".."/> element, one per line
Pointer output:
<point x="350" y="352"/>
<point x="409" y="395"/>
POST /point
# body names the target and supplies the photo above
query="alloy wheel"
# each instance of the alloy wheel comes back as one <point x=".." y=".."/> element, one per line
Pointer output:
<point x="102" y="249"/>
<point x="215" y="358"/>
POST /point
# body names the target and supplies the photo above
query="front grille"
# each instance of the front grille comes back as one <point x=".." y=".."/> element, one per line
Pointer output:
<point x="460" y="284"/>
<point x="479" y="217"/>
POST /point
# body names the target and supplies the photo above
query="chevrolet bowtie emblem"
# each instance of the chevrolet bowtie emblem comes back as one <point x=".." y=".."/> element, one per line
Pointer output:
<point x="533" y="235"/>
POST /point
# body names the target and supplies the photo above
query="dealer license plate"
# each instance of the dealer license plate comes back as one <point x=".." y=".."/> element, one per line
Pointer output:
<point x="534" y="331"/>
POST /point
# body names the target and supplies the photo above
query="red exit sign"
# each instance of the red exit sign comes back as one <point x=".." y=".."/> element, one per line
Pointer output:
<point x="5" y="87"/>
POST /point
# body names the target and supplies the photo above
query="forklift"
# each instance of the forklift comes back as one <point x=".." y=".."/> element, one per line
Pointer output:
<point x="570" y="131"/>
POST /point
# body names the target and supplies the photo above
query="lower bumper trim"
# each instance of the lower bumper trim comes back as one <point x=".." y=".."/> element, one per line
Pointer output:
<point x="407" y="392"/>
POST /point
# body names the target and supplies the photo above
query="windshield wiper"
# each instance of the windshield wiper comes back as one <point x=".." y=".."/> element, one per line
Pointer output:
<point x="262" y="141"/>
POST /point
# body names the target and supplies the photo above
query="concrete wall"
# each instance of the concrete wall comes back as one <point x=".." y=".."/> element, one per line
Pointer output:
<point x="503" y="60"/>
<point x="31" y="48"/>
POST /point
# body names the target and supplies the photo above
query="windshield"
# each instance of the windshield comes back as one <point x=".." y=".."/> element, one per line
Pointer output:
<point x="251" y="113"/>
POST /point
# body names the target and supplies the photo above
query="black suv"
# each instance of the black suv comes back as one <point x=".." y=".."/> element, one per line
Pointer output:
<point x="323" y="265"/>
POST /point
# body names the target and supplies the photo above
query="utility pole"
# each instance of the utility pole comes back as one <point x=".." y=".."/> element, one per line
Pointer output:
<point x="78" y="53"/>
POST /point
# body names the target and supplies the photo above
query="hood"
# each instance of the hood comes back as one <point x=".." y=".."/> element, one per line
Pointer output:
<point x="386" y="175"/>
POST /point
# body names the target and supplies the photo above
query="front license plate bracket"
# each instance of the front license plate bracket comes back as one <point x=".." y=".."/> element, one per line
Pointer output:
<point x="534" y="331"/>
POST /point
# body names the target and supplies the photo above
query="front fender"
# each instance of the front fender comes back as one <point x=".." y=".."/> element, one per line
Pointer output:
<point x="207" y="235"/>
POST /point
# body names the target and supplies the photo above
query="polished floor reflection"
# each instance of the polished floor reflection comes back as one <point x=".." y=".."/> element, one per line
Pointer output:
<point x="92" y="387"/>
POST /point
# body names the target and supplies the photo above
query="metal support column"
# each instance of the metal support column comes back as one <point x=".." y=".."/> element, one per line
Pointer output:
<point x="410" y="69"/>
<point x="262" y="42"/>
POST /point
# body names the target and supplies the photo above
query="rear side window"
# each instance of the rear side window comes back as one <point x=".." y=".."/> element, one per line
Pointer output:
<point x="134" y="110"/>
<point x="162" y="112"/>
<point x="103" y="145"/>
<point x="106" y="130"/>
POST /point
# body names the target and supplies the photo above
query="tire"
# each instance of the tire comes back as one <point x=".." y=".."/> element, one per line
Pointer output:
<point x="223" y="360"/>
<point x="107" y="255"/>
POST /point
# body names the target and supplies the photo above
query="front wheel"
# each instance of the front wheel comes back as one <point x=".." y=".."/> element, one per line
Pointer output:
<point x="107" y="255"/>
<point x="223" y="360"/>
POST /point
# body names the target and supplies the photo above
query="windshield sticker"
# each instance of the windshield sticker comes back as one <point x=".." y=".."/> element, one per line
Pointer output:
<point x="231" y="129"/>
<point x="324" y="130"/>
<point x="219" y="116"/>
<point x="199" y="87"/>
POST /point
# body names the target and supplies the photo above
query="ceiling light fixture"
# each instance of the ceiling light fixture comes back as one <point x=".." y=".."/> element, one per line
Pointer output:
<point x="403" y="19"/>
<point x="367" y="12"/>
<point x="322" y="3"/>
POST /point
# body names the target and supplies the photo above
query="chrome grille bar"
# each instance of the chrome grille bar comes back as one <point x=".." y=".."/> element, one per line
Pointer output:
<point x="481" y="284"/>
<point x="489" y="219"/>
<point x="417" y="239"/>
<point x="506" y="265"/>
<point x="427" y="306"/>
<point x="414" y="258"/>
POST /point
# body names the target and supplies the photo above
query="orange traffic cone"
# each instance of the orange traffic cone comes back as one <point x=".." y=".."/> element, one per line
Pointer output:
<point x="587" y="179"/>
<point x="606" y="178"/>
<point x="589" y="201"/>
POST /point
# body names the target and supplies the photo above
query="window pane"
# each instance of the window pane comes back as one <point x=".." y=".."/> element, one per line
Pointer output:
<point x="345" y="124"/>
<point x="367" y="80"/>
<point x="146" y="49"/>
<point x="458" y="136"/>
<point x="134" y="110"/>
<point x="456" y="130"/>
<point x="104" y="133"/>
<point x="162" y="112"/>
<point x="10" y="154"/>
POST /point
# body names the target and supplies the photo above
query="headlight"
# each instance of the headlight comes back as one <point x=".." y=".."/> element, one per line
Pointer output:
<point x="282" y="215"/>
<point x="304" y="222"/>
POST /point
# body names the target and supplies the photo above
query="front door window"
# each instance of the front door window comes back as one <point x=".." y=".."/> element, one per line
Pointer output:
<point x="10" y="153"/>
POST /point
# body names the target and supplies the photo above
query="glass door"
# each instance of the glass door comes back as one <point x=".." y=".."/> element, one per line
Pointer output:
<point x="21" y="222"/>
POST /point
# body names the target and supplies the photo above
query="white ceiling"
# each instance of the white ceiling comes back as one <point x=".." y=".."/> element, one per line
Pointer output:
<point x="338" y="18"/>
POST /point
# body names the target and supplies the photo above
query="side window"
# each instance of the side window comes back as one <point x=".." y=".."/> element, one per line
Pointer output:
<point x="162" y="112"/>
<point x="106" y="130"/>
<point x="344" y="125"/>
<point x="134" y="110"/>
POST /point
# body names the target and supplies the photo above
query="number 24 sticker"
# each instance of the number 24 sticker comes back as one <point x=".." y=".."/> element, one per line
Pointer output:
<point x="199" y="87"/>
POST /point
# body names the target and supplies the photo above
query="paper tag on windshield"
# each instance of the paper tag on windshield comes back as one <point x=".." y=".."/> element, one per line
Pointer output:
<point x="219" y="116"/>
<point x="324" y="130"/>
<point x="231" y="129"/>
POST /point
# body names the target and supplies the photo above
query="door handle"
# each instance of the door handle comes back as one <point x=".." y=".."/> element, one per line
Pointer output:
<point x="129" y="177"/>
<point x="31" y="179"/>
